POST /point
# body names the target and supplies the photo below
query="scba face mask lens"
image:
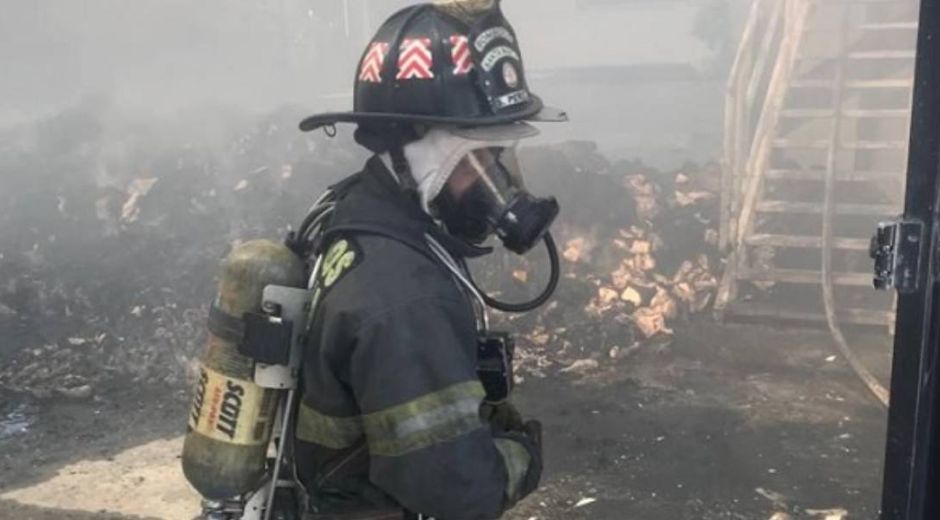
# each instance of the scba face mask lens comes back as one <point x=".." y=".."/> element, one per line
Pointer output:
<point x="485" y="195"/>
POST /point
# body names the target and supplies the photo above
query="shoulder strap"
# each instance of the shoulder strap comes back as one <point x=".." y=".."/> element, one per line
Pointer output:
<point x="370" y="229"/>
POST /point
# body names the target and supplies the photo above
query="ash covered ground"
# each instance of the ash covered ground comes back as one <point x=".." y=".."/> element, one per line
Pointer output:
<point x="111" y="229"/>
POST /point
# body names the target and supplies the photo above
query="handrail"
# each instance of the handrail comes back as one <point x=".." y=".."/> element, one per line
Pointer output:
<point x="762" y="65"/>
<point x="731" y="122"/>
<point x="768" y="42"/>
<point x="796" y="13"/>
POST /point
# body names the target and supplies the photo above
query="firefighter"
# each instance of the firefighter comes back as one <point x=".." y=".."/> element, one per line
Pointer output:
<point x="394" y="421"/>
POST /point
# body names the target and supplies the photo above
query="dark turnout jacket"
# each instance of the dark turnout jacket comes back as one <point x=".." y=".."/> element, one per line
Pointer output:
<point x="389" y="419"/>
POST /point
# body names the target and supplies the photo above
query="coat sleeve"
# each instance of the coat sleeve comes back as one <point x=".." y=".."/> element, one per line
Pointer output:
<point x="413" y="374"/>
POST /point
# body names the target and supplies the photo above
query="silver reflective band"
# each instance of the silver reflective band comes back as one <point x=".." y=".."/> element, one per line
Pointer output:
<point x="434" y="418"/>
<point x="497" y="54"/>
<point x="430" y="419"/>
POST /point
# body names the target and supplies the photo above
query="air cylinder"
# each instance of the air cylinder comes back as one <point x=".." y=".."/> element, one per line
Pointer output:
<point x="231" y="418"/>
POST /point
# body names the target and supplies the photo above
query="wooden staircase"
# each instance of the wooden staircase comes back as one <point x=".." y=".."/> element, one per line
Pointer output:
<point x="819" y="159"/>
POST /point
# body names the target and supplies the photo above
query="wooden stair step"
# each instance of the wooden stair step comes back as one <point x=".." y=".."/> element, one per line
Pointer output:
<point x="819" y="175"/>
<point x="859" y="84"/>
<point x="805" y="276"/>
<point x="909" y="3"/>
<point x="810" y="208"/>
<point x="889" y="26"/>
<point x="807" y="113"/>
<point x="790" y="143"/>
<point x="763" y="310"/>
<point x="808" y="242"/>
<point x="813" y="83"/>
<point x="853" y="145"/>
<point x="863" y="113"/>
<point x="875" y="145"/>
<point x="883" y="55"/>
<point x="823" y="113"/>
<point x="880" y="83"/>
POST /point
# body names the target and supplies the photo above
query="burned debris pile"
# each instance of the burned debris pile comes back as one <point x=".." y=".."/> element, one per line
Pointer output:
<point x="111" y="233"/>
<point x="640" y="250"/>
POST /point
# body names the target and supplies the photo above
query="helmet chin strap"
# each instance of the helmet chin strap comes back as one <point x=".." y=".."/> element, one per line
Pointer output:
<point x="401" y="168"/>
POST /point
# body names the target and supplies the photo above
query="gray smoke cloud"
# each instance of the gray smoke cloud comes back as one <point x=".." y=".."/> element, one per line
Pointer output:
<point x="638" y="76"/>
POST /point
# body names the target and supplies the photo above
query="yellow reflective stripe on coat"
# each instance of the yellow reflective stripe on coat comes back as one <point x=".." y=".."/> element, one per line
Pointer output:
<point x="332" y="432"/>
<point x="430" y="419"/>
<point x="517" y="460"/>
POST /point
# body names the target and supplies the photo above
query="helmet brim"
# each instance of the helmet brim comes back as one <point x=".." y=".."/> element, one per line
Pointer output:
<point x="510" y="132"/>
<point x="536" y="112"/>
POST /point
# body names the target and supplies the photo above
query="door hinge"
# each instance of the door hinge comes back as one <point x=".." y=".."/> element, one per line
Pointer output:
<point x="896" y="249"/>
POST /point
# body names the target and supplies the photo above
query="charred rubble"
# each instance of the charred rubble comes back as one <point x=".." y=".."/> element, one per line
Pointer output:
<point x="640" y="257"/>
<point x="111" y="233"/>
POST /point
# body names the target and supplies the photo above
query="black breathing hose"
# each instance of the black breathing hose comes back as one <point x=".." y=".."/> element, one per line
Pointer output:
<point x="539" y="300"/>
<point x="303" y="243"/>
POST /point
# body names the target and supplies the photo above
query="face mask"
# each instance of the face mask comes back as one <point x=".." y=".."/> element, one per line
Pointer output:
<point x="485" y="195"/>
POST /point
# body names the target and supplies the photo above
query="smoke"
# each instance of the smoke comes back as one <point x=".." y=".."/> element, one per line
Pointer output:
<point x="141" y="139"/>
<point x="639" y="77"/>
<point x="166" y="54"/>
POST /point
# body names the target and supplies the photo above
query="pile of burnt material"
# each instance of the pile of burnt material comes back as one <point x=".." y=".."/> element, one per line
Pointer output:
<point x="111" y="234"/>
<point x="640" y="257"/>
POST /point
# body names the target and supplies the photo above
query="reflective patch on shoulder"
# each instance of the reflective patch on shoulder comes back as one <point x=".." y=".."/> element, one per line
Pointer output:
<point x="340" y="258"/>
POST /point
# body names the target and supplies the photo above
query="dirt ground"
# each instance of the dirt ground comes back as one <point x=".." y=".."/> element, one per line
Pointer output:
<point x="723" y="422"/>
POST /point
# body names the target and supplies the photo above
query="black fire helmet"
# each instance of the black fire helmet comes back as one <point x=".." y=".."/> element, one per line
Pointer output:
<point x="452" y="62"/>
